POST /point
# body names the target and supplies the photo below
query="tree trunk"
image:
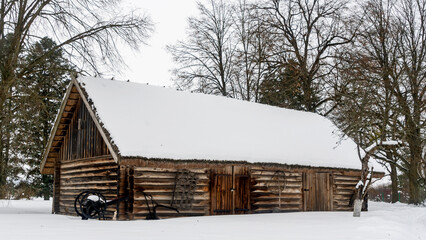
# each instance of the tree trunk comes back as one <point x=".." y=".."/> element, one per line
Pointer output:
<point x="415" y="145"/>
<point x="414" y="185"/>
<point x="46" y="195"/>
<point x="394" y="180"/>
<point x="357" y="207"/>
<point x="3" y="160"/>
<point x="2" y="172"/>
<point x="2" y="175"/>
<point x="5" y="146"/>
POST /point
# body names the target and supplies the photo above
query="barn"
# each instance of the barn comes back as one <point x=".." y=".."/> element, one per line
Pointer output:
<point x="198" y="153"/>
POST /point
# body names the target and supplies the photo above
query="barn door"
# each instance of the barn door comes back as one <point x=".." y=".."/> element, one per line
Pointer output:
<point x="241" y="194"/>
<point x="318" y="193"/>
<point x="231" y="192"/>
<point x="222" y="204"/>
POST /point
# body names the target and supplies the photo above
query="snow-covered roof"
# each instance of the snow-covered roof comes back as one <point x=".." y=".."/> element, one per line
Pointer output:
<point x="157" y="122"/>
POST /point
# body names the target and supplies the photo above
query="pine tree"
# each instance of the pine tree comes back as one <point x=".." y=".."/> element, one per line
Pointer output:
<point x="282" y="87"/>
<point x="32" y="106"/>
<point x="45" y="87"/>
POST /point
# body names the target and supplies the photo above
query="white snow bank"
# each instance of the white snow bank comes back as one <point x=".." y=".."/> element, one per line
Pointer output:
<point x="31" y="220"/>
<point x="156" y="122"/>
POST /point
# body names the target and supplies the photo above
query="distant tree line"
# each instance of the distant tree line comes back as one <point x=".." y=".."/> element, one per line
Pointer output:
<point x="361" y="64"/>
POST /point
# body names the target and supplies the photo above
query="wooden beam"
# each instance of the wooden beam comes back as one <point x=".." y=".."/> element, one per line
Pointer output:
<point x="53" y="154"/>
<point x="56" y="144"/>
<point x="72" y="101"/>
<point x="65" y="120"/>
<point x="69" y="108"/>
<point x="58" y="138"/>
<point x="48" y="170"/>
<point x="61" y="133"/>
<point x="62" y="126"/>
<point x="74" y="96"/>
<point x="67" y="114"/>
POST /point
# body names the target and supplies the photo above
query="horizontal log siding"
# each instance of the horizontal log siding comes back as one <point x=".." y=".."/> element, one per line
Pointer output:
<point x="83" y="162"/>
<point x="160" y="183"/>
<point x="92" y="174"/>
<point x="264" y="200"/>
<point x="344" y="186"/>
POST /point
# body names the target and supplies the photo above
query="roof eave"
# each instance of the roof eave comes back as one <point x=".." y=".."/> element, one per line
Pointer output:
<point x="75" y="83"/>
<point x="55" y="128"/>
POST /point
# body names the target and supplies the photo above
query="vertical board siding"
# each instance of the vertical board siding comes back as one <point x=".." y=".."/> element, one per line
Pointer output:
<point x="309" y="191"/>
<point x="222" y="202"/>
<point x="264" y="194"/>
<point x="242" y="194"/>
<point x="160" y="183"/>
<point x="318" y="191"/>
<point x="230" y="190"/>
<point x="324" y="193"/>
<point x="82" y="139"/>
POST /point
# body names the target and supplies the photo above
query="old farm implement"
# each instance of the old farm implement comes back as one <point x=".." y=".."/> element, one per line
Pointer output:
<point x="92" y="205"/>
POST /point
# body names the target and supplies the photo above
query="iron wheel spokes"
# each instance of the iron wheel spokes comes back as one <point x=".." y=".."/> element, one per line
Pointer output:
<point x="91" y="205"/>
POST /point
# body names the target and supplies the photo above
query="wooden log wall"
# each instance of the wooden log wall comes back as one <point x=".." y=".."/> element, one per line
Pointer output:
<point x="89" y="174"/>
<point x="344" y="186"/>
<point x="83" y="164"/>
<point x="265" y="185"/>
<point x="161" y="184"/>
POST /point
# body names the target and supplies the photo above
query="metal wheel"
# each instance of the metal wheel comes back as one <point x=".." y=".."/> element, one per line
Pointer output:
<point x="90" y="204"/>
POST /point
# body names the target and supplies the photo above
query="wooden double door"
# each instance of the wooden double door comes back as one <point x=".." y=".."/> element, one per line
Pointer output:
<point x="230" y="191"/>
<point x="318" y="191"/>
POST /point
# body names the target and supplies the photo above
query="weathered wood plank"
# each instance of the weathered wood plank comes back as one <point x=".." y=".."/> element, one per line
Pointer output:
<point x="165" y="170"/>
<point x="96" y="174"/>
<point x="89" y="169"/>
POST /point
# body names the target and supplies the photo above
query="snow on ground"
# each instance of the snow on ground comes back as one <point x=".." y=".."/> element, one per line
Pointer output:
<point x="32" y="220"/>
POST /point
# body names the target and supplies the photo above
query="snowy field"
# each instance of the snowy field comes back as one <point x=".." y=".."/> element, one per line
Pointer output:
<point x="32" y="220"/>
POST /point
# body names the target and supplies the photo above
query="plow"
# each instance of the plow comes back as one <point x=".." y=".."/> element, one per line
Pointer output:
<point x="93" y="205"/>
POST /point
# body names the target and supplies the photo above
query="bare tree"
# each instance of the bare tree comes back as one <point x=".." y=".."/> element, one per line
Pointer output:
<point x="307" y="32"/>
<point x="384" y="72"/>
<point x="82" y="28"/>
<point x="367" y="67"/>
<point x="254" y="45"/>
<point x="411" y="90"/>
<point x="87" y="31"/>
<point x="206" y="58"/>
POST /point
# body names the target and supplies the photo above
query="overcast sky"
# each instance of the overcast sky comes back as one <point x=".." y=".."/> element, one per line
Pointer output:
<point x="153" y="63"/>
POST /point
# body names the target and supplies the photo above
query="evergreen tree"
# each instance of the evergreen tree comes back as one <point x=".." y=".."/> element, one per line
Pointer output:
<point x="31" y="109"/>
<point x="45" y="87"/>
<point x="282" y="87"/>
